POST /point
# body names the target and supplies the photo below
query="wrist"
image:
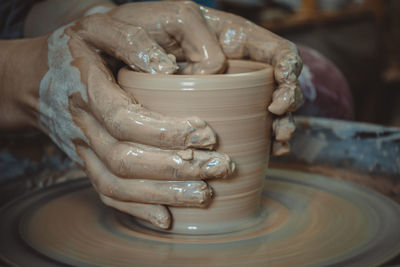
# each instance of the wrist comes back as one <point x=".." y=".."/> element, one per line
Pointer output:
<point x="23" y="63"/>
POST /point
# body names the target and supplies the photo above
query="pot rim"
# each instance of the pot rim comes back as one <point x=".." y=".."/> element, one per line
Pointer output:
<point x="263" y="75"/>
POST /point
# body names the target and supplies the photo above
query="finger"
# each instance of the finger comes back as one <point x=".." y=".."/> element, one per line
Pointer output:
<point x="141" y="162"/>
<point x="288" y="66"/>
<point x="172" y="193"/>
<point x="157" y="215"/>
<point x="240" y="38"/>
<point x="286" y="98"/>
<point x="128" y="121"/>
<point x="280" y="148"/>
<point x="132" y="160"/>
<point x="137" y="124"/>
<point x="127" y="42"/>
<point x="200" y="46"/>
<point x="283" y="128"/>
<point x="181" y="29"/>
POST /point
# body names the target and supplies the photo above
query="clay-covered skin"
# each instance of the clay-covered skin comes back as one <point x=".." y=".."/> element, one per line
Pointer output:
<point x="65" y="89"/>
<point x="240" y="38"/>
<point x="125" y="149"/>
<point x="113" y="138"/>
<point x="183" y="29"/>
<point x="283" y="128"/>
<point x="202" y="36"/>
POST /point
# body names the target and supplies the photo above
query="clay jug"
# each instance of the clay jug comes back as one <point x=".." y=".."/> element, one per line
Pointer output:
<point x="235" y="105"/>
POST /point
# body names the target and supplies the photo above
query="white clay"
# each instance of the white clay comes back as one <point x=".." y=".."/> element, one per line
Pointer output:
<point x="55" y="88"/>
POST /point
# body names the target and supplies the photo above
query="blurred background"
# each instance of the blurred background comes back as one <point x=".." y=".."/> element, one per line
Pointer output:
<point x="350" y="49"/>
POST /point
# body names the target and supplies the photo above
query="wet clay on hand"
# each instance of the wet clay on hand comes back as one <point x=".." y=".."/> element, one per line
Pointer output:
<point x="120" y="144"/>
<point x="129" y="153"/>
<point x="181" y="29"/>
<point x="74" y="98"/>
<point x="201" y="36"/>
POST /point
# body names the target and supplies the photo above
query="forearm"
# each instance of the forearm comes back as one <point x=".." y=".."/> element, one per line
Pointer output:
<point x="23" y="63"/>
<point x="48" y="15"/>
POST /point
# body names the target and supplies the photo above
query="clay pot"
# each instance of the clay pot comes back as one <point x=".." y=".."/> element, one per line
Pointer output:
<point x="235" y="106"/>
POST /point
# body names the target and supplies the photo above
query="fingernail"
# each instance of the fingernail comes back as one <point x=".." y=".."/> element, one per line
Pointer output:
<point x="197" y="194"/>
<point x="201" y="138"/>
<point x="161" y="63"/>
<point x="218" y="167"/>
<point x="161" y="219"/>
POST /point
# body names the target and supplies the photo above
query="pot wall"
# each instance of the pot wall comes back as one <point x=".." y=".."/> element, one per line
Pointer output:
<point x="235" y="106"/>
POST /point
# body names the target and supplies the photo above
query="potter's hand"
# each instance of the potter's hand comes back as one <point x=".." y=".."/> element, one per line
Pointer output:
<point x="204" y="37"/>
<point x="126" y="150"/>
<point x="137" y="160"/>
<point x="182" y="29"/>
<point x="240" y="38"/>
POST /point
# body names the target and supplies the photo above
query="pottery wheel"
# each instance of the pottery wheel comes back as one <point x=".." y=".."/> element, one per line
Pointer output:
<point x="307" y="219"/>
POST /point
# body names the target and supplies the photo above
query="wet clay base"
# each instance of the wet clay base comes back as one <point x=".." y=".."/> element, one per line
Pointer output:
<point x="306" y="219"/>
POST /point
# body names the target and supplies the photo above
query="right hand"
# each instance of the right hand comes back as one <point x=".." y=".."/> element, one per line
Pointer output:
<point x="138" y="161"/>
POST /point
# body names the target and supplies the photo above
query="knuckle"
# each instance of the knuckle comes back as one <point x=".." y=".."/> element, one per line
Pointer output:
<point x="87" y="21"/>
<point x="131" y="32"/>
<point x="113" y="118"/>
<point x="106" y="188"/>
<point x="116" y="160"/>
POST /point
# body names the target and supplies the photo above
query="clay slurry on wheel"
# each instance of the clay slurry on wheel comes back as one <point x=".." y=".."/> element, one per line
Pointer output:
<point x="307" y="219"/>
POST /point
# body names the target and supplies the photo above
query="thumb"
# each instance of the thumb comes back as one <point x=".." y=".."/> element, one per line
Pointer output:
<point x="128" y="43"/>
